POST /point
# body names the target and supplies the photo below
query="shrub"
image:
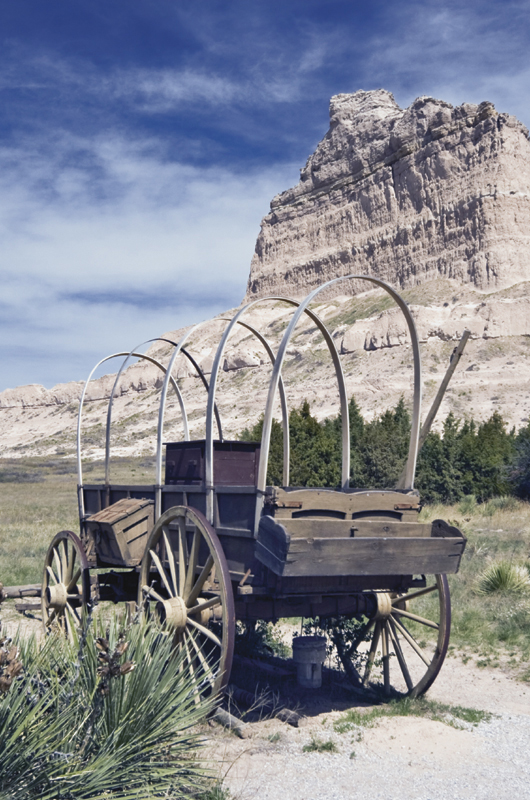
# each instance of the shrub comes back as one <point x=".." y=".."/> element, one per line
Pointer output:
<point x="504" y="503"/>
<point x="502" y="576"/>
<point x="468" y="504"/>
<point x="113" y="716"/>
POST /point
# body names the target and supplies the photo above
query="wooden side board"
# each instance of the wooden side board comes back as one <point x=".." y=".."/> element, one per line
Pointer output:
<point x="290" y="556"/>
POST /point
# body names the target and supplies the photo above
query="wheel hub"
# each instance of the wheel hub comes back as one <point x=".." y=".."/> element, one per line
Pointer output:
<point x="56" y="596"/>
<point x="384" y="605"/>
<point x="172" y="613"/>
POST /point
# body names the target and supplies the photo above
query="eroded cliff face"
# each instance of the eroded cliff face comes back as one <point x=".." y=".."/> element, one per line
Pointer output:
<point x="403" y="195"/>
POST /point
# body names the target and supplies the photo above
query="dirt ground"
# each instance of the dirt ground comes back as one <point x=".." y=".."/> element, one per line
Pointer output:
<point x="398" y="758"/>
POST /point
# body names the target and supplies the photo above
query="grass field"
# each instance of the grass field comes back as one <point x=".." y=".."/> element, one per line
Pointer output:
<point x="38" y="499"/>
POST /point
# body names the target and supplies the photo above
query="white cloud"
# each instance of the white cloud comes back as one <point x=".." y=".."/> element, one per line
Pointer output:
<point x="83" y="245"/>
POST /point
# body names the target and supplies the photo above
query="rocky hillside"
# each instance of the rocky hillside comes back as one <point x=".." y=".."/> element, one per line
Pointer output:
<point x="375" y="352"/>
<point x="405" y="195"/>
<point x="433" y="199"/>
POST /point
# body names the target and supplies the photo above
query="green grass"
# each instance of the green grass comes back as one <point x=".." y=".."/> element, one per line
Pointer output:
<point x="319" y="746"/>
<point x="455" y="716"/>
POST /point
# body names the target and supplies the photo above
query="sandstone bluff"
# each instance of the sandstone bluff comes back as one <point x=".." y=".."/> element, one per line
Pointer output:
<point x="404" y="195"/>
<point x="434" y="200"/>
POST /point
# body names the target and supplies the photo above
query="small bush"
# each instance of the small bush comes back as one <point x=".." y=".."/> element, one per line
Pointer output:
<point x="502" y="576"/>
<point x="468" y="504"/>
<point x="505" y="503"/>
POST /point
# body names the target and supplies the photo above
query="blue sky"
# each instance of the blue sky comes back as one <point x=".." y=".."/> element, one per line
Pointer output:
<point x="141" y="143"/>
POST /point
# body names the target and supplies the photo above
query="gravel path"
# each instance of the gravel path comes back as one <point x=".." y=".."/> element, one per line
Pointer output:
<point x="400" y="758"/>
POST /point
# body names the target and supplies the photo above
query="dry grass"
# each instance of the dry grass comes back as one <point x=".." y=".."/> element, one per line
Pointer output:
<point x="492" y="626"/>
<point x="38" y="498"/>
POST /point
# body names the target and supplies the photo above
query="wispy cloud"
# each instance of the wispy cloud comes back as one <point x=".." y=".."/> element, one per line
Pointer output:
<point x="134" y="169"/>
<point x="457" y="52"/>
<point x="118" y="247"/>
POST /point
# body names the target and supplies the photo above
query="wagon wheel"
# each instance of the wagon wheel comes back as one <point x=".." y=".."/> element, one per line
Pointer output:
<point x="65" y="584"/>
<point x="407" y="659"/>
<point x="185" y="587"/>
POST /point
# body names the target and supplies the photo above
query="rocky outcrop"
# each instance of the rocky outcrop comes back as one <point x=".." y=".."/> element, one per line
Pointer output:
<point x="403" y="195"/>
<point x="486" y="320"/>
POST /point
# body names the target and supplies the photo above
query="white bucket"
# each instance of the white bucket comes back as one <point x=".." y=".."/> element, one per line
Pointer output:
<point x="309" y="653"/>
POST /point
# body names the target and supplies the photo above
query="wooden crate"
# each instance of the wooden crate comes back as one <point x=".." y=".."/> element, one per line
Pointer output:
<point x="118" y="534"/>
<point x="234" y="463"/>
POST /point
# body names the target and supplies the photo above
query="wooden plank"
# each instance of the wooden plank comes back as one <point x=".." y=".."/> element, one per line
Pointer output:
<point x="28" y="590"/>
<point x="322" y="528"/>
<point x="364" y="556"/>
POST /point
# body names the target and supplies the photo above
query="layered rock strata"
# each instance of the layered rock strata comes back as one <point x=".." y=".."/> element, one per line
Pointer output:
<point x="403" y="195"/>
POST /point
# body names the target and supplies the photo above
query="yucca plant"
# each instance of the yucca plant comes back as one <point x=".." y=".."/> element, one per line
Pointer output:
<point x="468" y="504"/>
<point x="111" y="716"/>
<point x="502" y="576"/>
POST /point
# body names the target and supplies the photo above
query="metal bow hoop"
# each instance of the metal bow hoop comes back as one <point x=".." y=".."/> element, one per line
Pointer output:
<point x="131" y="354"/>
<point x="267" y="424"/>
<point x="416" y="413"/>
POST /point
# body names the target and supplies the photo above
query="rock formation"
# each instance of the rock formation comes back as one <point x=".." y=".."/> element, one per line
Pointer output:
<point x="403" y="195"/>
<point x="434" y="200"/>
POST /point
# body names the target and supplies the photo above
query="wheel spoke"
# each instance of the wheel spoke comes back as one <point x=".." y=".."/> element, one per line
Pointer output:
<point x="58" y="564"/>
<point x="413" y="643"/>
<point x="195" y="690"/>
<point x="192" y="565"/>
<point x="151" y="591"/>
<point x="399" y="654"/>
<point x="201" y="580"/>
<point x="414" y="595"/>
<point x="171" y="561"/>
<point x="74" y="580"/>
<point x="416" y="618"/>
<point x="52" y="575"/>
<point x="161" y="571"/>
<point x="373" y="651"/>
<point x="210" y="603"/>
<point x="73" y="612"/>
<point x="386" y="658"/>
<point x="71" y="564"/>
<point x="209" y="634"/>
<point x="204" y="663"/>
<point x="183" y="553"/>
<point x="51" y="617"/>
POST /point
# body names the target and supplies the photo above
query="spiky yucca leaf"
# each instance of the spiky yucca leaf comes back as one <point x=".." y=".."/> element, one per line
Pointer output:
<point x="502" y="576"/>
<point x="61" y="736"/>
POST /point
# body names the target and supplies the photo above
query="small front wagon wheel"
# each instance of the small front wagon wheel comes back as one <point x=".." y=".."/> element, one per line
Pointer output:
<point x="185" y="588"/>
<point x="65" y="584"/>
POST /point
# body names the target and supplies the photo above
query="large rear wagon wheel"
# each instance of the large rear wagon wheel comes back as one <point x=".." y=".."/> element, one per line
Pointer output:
<point x="408" y="637"/>
<point x="65" y="584"/>
<point x="185" y="588"/>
